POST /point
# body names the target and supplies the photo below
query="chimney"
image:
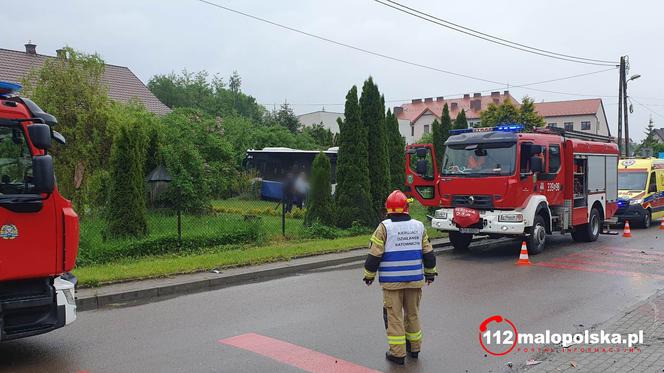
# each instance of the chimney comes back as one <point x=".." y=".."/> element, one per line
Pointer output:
<point x="416" y="100"/>
<point x="506" y="93"/>
<point x="495" y="94"/>
<point x="31" y="48"/>
<point x="440" y="98"/>
<point x="428" y="99"/>
<point x="62" y="53"/>
<point x="466" y="96"/>
<point x="454" y="106"/>
<point x="398" y="110"/>
<point x="476" y="95"/>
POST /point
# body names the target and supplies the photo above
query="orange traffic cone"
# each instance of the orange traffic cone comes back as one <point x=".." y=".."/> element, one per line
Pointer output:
<point x="627" y="232"/>
<point x="523" y="257"/>
<point x="661" y="226"/>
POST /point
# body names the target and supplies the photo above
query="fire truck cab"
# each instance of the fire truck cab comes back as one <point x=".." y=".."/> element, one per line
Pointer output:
<point x="500" y="181"/>
<point x="39" y="230"/>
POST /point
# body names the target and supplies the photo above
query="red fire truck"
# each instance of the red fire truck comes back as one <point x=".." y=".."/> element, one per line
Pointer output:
<point x="38" y="227"/>
<point x="501" y="182"/>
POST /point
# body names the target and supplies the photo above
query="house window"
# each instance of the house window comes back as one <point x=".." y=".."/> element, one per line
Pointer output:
<point x="554" y="124"/>
<point x="412" y="130"/>
<point x="426" y="128"/>
<point x="569" y="126"/>
<point x="585" y="125"/>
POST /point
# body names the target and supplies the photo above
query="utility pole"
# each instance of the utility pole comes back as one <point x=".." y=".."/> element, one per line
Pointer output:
<point x="625" y="108"/>
<point x="620" y="103"/>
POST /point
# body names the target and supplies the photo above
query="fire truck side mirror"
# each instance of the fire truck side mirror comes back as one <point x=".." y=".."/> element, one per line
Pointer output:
<point x="42" y="174"/>
<point x="536" y="164"/>
<point x="40" y="135"/>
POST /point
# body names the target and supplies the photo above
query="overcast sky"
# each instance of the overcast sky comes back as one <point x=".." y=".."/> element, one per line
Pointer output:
<point x="159" y="36"/>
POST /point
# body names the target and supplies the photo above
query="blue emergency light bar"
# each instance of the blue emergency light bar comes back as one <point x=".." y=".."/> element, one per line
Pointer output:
<point x="512" y="127"/>
<point x="8" y="89"/>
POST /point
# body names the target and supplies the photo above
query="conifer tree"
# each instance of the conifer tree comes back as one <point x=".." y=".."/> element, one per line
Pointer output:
<point x="461" y="122"/>
<point x="127" y="212"/>
<point x="319" y="206"/>
<point x="373" y="119"/>
<point x="396" y="151"/>
<point x="352" y="197"/>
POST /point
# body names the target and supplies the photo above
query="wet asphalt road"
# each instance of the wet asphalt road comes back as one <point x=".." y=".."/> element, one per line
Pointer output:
<point x="333" y="312"/>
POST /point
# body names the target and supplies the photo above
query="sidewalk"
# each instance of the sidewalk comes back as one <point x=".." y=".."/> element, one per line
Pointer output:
<point x="149" y="290"/>
<point x="649" y="357"/>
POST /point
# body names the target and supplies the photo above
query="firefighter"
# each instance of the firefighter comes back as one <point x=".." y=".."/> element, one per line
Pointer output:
<point x="400" y="250"/>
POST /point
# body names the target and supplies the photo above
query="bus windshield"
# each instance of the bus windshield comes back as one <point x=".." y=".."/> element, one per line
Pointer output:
<point x="628" y="180"/>
<point x="480" y="160"/>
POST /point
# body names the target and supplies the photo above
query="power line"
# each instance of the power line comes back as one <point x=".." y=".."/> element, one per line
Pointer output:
<point x="524" y="86"/>
<point x="491" y="38"/>
<point x="359" y="49"/>
<point x="646" y="107"/>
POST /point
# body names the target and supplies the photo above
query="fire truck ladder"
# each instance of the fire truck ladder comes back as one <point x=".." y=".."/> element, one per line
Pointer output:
<point x="575" y="134"/>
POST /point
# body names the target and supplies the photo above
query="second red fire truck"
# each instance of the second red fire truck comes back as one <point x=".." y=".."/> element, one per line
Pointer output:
<point x="501" y="181"/>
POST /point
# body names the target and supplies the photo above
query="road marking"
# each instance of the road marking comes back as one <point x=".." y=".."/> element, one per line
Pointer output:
<point x="293" y="355"/>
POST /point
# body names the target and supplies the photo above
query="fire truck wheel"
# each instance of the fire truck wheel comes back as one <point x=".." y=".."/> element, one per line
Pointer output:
<point x="590" y="231"/>
<point x="537" y="237"/>
<point x="460" y="241"/>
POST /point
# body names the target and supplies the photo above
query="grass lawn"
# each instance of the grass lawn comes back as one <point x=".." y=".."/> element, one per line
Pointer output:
<point x="218" y="257"/>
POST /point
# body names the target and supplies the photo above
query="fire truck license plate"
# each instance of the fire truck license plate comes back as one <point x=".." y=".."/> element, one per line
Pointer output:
<point x="469" y="230"/>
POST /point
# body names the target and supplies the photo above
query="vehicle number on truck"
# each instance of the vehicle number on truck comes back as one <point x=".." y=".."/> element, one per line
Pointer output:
<point x="553" y="187"/>
<point x="469" y="230"/>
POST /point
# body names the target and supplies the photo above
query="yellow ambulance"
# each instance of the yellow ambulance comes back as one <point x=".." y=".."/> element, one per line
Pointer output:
<point x="640" y="191"/>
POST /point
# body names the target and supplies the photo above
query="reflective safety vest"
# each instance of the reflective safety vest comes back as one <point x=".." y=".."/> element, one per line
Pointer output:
<point x="402" y="259"/>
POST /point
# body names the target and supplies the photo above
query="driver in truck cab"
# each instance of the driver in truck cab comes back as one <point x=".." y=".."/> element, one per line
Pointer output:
<point x="640" y="191"/>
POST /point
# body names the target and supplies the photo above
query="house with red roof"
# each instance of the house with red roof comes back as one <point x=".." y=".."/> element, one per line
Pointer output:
<point x="122" y="84"/>
<point x="586" y="115"/>
<point x="580" y="115"/>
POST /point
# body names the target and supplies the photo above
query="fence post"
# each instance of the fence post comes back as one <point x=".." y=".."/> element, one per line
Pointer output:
<point x="179" y="225"/>
<point x="283" y="216"/>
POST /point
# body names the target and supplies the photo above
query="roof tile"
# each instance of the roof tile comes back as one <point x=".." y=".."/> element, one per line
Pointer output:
<point x="122" y="84"/>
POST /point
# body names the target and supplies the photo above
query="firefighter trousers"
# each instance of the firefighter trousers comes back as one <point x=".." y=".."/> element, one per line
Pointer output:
<point x="401" y="310"/>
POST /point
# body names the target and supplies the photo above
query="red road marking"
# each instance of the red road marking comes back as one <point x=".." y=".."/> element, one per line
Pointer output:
<point x="293" y="355"/>
<point x="618" y="260"/>
<point x="599" y="270"/>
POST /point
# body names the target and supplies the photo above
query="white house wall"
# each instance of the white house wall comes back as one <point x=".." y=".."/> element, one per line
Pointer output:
<point x="328" y="119"/>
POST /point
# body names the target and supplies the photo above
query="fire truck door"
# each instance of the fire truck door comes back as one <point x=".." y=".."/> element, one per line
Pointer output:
<point x="422" y="174"/>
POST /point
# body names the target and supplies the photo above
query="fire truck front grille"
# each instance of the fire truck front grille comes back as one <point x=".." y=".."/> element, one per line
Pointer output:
<point x="473" y="201"/>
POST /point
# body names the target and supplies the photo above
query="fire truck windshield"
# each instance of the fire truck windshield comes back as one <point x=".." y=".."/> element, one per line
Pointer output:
<point x="15" y="162"/>
<point x="630" y="180"/>
<point x="479" y="160"/>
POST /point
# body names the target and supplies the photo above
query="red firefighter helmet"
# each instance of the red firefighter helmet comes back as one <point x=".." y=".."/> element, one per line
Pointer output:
<point x="396" y="203"/>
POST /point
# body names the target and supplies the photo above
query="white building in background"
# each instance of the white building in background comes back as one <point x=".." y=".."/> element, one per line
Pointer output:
<point x="327" y="118"/>
<point x="576" y="115"/>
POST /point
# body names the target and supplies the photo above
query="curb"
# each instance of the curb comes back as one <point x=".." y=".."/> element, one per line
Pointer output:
<point x="151" y="290"/>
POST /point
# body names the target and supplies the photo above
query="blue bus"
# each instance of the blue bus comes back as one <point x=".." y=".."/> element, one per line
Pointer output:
<point x="273" y="164"/>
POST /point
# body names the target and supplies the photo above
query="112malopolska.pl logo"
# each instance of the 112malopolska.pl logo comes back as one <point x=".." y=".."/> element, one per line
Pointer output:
<point x="499" y="336"/>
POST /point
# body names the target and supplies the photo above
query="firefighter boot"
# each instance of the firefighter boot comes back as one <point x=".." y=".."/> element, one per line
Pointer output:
<point x="413" y="354"/>
<point x="395" y="359"/>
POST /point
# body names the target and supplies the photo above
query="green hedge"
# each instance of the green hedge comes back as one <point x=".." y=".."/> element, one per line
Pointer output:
<point x="250" y="232"/>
